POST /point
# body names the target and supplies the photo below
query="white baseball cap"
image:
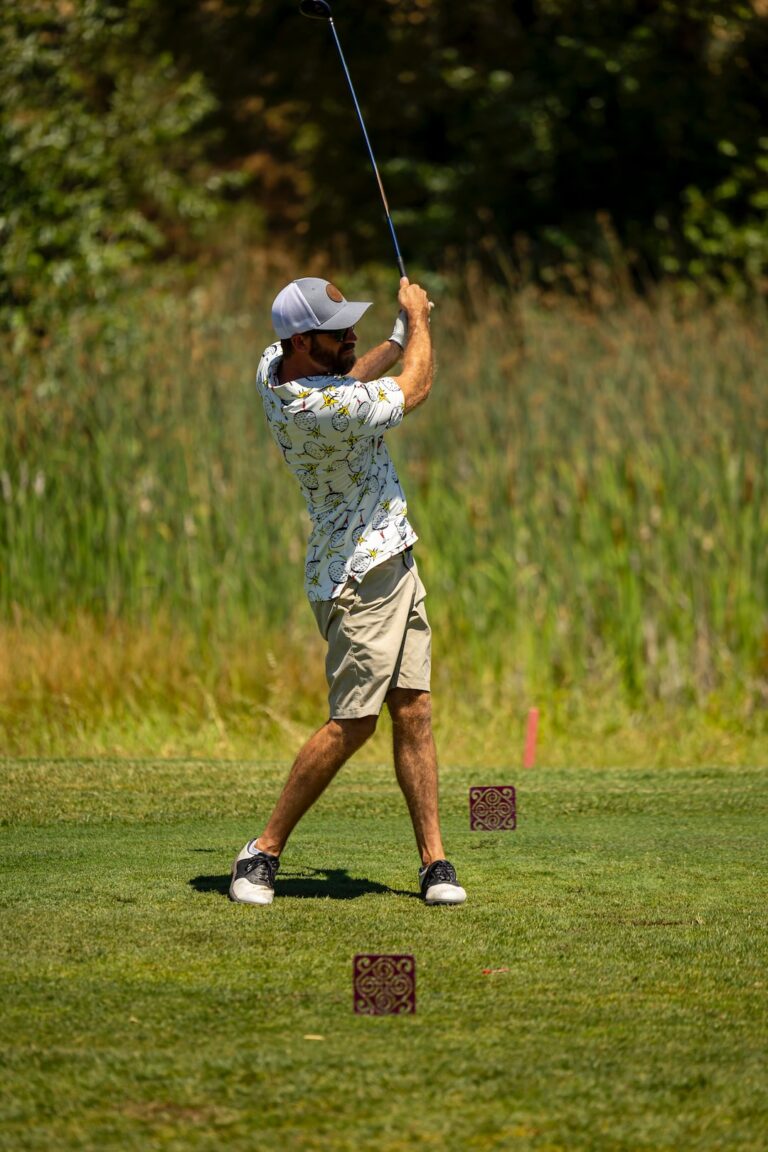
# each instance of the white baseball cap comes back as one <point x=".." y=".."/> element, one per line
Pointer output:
<point x="314" y="305"/>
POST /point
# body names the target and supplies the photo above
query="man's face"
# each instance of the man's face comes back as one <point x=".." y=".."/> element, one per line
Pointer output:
<point x="334" y="357"/>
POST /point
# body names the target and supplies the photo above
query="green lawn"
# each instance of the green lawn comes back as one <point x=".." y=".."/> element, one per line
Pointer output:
<point x="142" y="1010"/>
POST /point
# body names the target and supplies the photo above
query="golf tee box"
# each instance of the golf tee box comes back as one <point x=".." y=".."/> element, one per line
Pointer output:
<point x="384" y="985"/>
<point x="492" y="808"/>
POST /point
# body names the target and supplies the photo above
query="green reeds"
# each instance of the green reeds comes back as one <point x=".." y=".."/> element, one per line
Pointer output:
<point x="590" y="486"/>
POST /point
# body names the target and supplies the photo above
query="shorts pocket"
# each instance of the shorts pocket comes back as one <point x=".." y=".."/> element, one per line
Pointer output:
<point x="346" y="599"/>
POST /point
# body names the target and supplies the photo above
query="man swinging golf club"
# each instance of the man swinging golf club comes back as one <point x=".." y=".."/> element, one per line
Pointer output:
<point x="329" y="411"/>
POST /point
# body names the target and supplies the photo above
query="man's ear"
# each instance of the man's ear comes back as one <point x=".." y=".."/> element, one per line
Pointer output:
<point x="294" y="344"/>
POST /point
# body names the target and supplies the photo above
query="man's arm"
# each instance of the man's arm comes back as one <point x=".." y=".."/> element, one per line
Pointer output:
<point x="415" y="380"/>
<point x="377" y="362"/>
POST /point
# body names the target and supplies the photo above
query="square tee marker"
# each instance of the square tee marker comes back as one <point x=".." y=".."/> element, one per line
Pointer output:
<point x="492" y="808"/>
<point x="384" y="985"/>
<point x="531" y="732"/>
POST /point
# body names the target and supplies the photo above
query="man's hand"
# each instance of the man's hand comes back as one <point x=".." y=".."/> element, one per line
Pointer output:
<point x="415" y="379"/>
<point x="414" y="301"/>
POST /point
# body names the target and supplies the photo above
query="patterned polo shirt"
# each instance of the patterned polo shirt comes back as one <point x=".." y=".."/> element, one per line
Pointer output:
<point x="330" y="430"/>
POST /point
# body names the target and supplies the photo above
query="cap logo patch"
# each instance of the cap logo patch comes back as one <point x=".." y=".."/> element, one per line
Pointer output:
<point x="334" y="294"/>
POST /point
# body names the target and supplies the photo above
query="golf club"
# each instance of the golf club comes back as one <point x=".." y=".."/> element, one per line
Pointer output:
<point x="321" y="10"/>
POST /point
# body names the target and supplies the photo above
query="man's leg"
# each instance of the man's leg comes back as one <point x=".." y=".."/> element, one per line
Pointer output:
<point x="416" y="769"/>
<point x="313" y="769"/>
<point x="253" y="872"/>
<point x="416" y="766"/>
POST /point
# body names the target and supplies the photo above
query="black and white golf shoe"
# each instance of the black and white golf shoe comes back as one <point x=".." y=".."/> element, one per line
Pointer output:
<point x="253" y="876"/>
<point x="439" y="884"/>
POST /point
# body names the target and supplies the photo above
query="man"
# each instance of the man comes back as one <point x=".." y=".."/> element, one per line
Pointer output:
<point x="328" y="412"/>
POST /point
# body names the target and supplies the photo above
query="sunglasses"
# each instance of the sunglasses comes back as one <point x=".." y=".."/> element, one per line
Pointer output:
<point x="337" y="334"/>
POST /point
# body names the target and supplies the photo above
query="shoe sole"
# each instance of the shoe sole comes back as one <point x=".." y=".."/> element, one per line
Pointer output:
<point x="446" y="898"/>
<point x="253" y="903"/>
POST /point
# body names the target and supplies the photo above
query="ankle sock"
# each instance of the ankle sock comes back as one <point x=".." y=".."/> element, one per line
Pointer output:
<point x="251" y="846"/>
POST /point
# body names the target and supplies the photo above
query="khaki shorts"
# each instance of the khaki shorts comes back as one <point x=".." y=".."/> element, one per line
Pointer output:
<point x="378" y="638"/>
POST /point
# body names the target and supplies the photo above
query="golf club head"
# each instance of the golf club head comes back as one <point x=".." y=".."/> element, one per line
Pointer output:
<point x="316" y="9"/>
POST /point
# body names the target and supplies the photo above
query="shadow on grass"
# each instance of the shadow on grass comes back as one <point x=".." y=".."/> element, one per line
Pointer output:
<point x="336" y="884"/>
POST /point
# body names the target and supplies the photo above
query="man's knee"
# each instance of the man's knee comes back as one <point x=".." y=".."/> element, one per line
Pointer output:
<point x="354" y="732"/>
<point x="409" y="706"/>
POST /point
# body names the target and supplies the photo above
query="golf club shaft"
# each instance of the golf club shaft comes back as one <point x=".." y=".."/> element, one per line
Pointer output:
<point x="398" y="256"/>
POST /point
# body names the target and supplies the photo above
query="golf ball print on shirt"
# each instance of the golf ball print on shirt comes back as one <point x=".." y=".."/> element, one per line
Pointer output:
<point x="330" y="430"/>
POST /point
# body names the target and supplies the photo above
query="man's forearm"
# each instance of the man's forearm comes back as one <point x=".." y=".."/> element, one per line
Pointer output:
<point x="377" y="362"/>
<point x="416" y="377"/>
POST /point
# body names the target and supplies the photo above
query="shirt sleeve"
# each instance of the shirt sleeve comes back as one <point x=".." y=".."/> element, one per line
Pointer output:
<point x="377" y="405"/>
<point x="345" y="404"/>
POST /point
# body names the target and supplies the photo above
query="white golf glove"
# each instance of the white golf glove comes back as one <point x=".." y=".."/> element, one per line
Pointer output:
<point x="400" y="331"/>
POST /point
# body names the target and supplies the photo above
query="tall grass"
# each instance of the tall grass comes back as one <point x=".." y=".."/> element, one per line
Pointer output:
<point x="590" y="485"/>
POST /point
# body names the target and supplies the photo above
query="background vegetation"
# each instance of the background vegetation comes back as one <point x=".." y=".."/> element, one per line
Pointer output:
<point x="547" y="130"/>
<point x="589" y="485"/>
<point x="582" y="186"/>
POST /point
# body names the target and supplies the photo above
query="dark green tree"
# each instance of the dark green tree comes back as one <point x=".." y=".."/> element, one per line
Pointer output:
<point x="102" y="152"/>
<point x="536" y="118"/>
<point x="570" y="123"/>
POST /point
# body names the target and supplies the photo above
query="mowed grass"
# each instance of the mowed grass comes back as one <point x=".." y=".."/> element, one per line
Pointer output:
<point x="623" y="921"/>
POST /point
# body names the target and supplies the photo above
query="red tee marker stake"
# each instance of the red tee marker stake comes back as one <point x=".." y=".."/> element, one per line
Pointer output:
<point x="531" y="732"/>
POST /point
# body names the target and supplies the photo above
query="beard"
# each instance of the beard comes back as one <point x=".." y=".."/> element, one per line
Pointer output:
<point x="336" y="362"/>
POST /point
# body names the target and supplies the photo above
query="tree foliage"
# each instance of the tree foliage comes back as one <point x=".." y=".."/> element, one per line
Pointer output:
<point x="494" y="120"/>
<point x="102" y="150"/>
<point x="559" y="125"/>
